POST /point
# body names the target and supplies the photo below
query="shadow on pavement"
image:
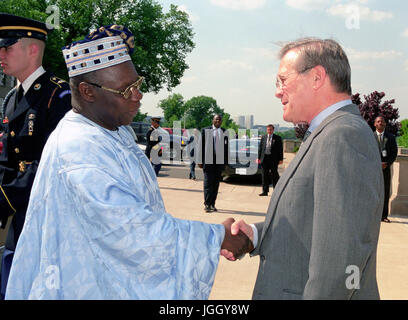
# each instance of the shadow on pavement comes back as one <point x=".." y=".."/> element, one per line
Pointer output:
<point x="179" y="189"/>
<point x="244" y="213"/>
<point x="244" y="180"/>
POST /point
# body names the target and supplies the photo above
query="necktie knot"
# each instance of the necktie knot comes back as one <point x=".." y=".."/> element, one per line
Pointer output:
<point x="307" y="134"/>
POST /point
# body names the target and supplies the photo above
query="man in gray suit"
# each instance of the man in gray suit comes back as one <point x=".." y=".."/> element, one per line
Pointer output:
<point x="319" y="238"/>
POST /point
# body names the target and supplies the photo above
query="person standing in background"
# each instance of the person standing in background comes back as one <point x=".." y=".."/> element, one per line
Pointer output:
<point x="388" y="152"/>
<point x="31" y="111"/>
<point x="153" y="150"/>
<point x="191" y="146"/>
<point x="270" y="155"/>
<point x="213" y="157"/>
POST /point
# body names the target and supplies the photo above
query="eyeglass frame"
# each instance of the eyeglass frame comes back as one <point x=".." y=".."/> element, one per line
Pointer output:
<point x="280" y="84"/>
<point x="137" y="84"/>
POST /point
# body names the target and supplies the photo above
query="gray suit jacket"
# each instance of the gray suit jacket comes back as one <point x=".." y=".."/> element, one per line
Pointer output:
<point x="319" y="238"/>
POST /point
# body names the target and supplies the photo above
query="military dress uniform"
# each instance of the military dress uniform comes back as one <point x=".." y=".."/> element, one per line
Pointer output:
<point x="153" y="143"/>
<point x="27" y="121"/>
<point x="25" y="132"/>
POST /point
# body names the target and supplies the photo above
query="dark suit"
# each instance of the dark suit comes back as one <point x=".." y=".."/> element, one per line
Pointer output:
<point x="150" y="144"/>
<point x="213" y="156"/>
<point x="190" y="149"/>
<point x="149" y="147"/>
<point x="389" y="145"/>
<point x="270" y="162"/>
<point x="26" y="126"/>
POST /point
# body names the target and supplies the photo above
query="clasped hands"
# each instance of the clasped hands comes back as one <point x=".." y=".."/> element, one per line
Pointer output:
<point x="238" y="239"/>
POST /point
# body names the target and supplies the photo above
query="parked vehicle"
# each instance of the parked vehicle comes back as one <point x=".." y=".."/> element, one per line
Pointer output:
<point x="140" y="129"/>
<point x="243" y="154"/>
<point x="174" y="147"/>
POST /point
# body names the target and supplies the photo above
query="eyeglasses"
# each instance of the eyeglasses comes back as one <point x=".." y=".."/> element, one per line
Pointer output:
<point x="280" y="83"/>
<point x="125" y="93"/>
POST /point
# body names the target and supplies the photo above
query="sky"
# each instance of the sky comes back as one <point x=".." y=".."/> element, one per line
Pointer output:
<point x="237" y="41"/>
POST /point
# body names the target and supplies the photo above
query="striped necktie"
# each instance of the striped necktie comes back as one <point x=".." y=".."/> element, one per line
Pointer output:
<point x="307" y="134"/>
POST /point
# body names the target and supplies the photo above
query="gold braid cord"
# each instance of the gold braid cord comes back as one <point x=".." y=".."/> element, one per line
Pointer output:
<point x="1" y="188"/>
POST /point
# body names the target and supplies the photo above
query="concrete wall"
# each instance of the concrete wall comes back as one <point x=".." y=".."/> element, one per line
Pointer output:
<point x="289" y="145"/>
<point x="399" y="172"/>
<point x="399" y="185"/>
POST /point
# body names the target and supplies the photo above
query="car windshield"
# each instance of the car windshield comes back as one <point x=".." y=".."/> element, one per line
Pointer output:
<point x="244" y="145"/>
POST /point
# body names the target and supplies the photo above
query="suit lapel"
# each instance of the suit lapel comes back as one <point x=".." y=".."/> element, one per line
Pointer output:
<point x="281" y="185"/>
<point x="10" y="105"/>
<point x="21" y="108"/>
<point x="294" y="164"/>
<point x="263" y="145"/>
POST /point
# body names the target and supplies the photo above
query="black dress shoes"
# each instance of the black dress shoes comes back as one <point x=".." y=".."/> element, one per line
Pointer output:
<point x="209" y="208"/>
<point x="263" y="194"/>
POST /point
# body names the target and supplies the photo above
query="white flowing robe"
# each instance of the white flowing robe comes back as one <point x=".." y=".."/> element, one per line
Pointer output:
<point x="96" y="226"/>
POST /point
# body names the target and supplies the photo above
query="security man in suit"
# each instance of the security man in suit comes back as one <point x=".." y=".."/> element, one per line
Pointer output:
<point x="30" y="112"/>
<point x="153" y="139"/>
<point x="270" y="155"/>
<point x="213" y="155"/>
<point x="388" y="151"/>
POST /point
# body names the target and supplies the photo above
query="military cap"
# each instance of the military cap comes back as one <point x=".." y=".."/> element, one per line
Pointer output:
<point x="157" y="119"/>
<point x="13" y="28"/>
<point x="102" y="48"/>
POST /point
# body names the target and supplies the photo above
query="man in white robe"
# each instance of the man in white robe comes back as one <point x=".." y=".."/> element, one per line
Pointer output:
<point x="96" y="225"/>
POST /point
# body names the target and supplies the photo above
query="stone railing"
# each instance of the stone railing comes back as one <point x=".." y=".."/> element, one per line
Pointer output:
<point x="399" y="175"/>
<point x="399" y="184"/>
<point x="291" y="145"/>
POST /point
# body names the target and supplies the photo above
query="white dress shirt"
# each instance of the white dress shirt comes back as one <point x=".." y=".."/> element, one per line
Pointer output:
<point x="380" y="135"/>
<point x="27" y="83"/>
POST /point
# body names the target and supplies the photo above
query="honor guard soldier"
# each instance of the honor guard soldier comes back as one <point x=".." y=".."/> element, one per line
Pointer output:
<point x="30" y="112"/>
<point x="153" y="149"/>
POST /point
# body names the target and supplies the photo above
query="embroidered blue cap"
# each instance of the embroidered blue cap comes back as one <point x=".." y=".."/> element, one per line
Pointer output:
<point x="105" y="47"/>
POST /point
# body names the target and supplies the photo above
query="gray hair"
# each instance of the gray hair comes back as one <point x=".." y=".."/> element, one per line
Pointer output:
<point x="326" y="53"/>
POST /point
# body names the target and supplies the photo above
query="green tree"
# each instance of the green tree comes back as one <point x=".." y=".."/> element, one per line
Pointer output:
<point x="162" y="40"/>
<point x="403" y="139"/>
<point x="195" y="113"/>
<point x="228" y="123"/>
<point x="140" y="117"/>
<point x="289" y="134"/>
<point x="200" y="111"/>
<point x="173" y="108"/>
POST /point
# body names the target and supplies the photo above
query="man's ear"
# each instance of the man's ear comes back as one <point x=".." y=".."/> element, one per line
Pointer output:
<point x="319" y="77"/>
<point x="33" y="49"/>
<point x="86" y="91"/>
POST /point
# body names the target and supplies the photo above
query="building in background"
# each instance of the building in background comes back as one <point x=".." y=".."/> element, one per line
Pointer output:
<point x="240" y="121"/>
<point x="249" y="121"/>
<point x="244" y="122"/>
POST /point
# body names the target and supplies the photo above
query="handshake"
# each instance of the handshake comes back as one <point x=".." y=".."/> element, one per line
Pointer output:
<point x="238" y="239"/>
